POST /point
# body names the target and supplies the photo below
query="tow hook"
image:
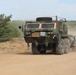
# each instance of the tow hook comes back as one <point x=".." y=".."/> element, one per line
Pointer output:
<point x="36" y="43"/>
<point x="46" y="43"/>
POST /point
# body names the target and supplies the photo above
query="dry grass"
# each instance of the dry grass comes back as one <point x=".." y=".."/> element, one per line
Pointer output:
<point x="14" y="46"/>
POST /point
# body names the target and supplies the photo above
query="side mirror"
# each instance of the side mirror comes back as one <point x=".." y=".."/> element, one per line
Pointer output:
<point x="21" y="27"/>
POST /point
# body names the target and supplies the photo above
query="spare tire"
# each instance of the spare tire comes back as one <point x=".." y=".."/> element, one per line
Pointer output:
<point x="46" y="19"/>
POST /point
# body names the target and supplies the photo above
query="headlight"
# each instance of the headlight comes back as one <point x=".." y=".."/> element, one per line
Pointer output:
<point x="42" y="34"/>
<point x="27" y="33"/>
<point x="48" y="33"/>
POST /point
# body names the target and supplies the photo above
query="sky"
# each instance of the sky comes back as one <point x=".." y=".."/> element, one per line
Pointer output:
<point x="30" y="9"/>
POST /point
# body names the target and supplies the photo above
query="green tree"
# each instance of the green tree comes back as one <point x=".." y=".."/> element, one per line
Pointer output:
<point x="7" y="30"/>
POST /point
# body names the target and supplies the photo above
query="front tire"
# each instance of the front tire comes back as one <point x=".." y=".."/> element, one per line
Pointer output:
<point x="34" y="49"/>
<point x="60" y="48"/>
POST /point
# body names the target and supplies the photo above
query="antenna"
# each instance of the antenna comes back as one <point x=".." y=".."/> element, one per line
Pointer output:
<point x="56" y="18"/>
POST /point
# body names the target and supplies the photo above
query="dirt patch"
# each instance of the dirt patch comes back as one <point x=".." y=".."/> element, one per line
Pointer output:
<point x="13" y="46"/>
<point x="23" y="62"/>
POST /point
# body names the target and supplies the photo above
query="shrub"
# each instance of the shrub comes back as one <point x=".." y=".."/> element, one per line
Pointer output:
<point x="7" y="30"/>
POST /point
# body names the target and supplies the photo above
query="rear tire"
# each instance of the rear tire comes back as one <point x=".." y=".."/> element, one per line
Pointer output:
<point x="74" y="43"/>
<point x="66" y="45"/>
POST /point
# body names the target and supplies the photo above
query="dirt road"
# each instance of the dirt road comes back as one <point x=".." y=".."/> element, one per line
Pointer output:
<point x="15" y="59"/>
<point x="28" y="64"/>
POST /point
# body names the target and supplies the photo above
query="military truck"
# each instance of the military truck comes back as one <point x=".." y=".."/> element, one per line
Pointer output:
<point x="47" y="34"/>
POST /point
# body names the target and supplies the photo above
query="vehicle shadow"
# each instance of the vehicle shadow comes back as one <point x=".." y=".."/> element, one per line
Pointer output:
<point x="30" y="53"/>
<point x="25" y="53"/>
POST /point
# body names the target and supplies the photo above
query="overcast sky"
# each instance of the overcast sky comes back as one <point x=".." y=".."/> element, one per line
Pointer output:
<point x="30" y="9"/>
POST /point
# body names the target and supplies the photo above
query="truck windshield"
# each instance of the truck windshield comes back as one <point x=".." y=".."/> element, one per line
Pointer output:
<point x="47" y="25"/>
<point x="33" y="26"/>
